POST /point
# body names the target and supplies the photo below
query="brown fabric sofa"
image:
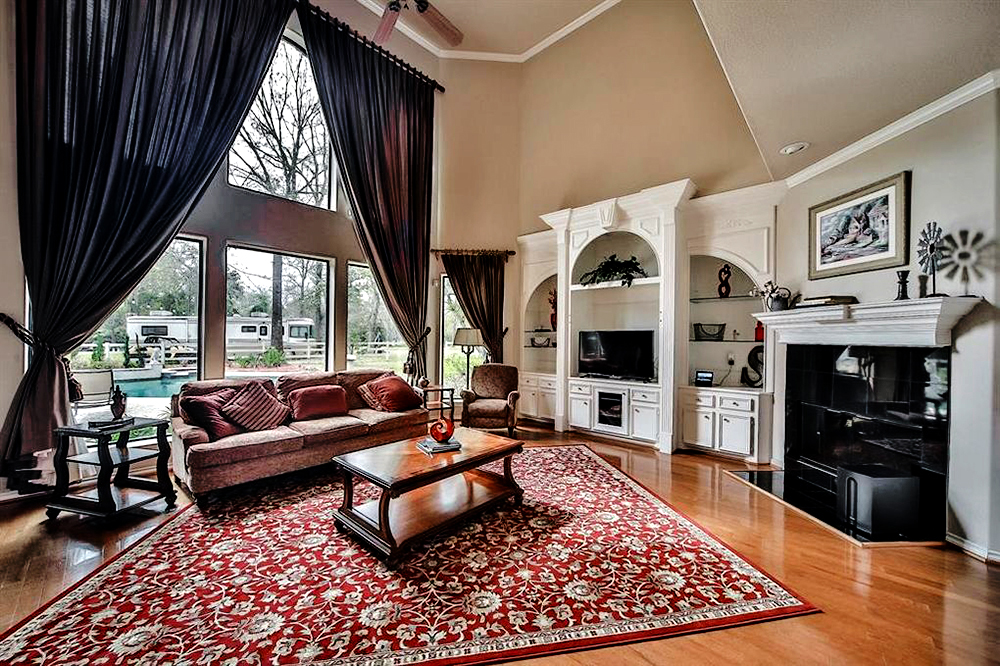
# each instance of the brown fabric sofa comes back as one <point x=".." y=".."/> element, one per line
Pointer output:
<point x="492" y="402"/>
<point x="203" y="465"/>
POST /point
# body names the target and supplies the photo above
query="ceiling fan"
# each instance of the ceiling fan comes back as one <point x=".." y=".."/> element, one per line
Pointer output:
<point x="452" y="35"/>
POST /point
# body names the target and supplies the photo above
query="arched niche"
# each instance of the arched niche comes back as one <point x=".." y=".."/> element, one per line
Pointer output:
<point x="708" y="308"/>
<point x="539" y="337"/>
<point x="624" y="244"/>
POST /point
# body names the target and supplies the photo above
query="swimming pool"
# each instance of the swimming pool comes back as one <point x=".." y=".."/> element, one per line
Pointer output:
<point x="164" y="387"/>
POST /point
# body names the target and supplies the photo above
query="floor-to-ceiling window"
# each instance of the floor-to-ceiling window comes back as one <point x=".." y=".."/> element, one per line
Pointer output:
<point x="373" y="341"/>
<point x="276" y="313"/>
<point x="151" y="344"/>
<point x="283" y="148"/>
<point x="453" y="358"/>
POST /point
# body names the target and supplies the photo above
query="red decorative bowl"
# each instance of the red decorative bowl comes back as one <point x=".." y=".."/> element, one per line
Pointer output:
<point x="442" y="430"/>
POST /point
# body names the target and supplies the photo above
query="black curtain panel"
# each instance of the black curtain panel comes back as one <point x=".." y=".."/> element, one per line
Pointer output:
<point x="478" y="283"/>
<point x="381" y="117"/>
<point x="125" y="109"/>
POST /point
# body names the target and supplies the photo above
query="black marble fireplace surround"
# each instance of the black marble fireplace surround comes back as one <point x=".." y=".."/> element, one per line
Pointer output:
<point x="851" y="405"/>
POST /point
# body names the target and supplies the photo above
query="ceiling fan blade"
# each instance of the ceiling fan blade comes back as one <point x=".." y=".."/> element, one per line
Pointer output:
<point x="440" y="23"/>
<point x="388" y="22"/>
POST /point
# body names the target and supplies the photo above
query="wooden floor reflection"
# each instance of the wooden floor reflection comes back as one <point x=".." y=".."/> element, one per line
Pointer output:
<point x="880" y="606"/>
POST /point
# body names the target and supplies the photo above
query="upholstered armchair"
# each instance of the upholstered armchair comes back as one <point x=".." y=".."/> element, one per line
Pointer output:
<point x="492" y="402"/>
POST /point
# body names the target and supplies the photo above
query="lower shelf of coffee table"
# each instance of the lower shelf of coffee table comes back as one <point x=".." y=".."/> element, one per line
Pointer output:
<point x="87" y="501"/>
<point x="434" y="507"/>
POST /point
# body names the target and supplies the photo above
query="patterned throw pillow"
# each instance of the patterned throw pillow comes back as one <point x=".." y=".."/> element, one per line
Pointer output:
<point x="390" y="393"/>
<point x="205" y="411"/>
<point x="254" y="408"/>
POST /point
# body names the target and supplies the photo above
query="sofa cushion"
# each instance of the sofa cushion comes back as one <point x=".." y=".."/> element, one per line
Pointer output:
<point x="245" y="446"/>
<point x="329" y="429"/>
<point x="254" y="408"/>
<point x="382" y="421"/>
<point x="352" y="379"/>
<point x="207" y="386"/>
<point x="390" y="394"/>
<point x="317" y="402"/>
<point x="488" y="408"/>
<point x="289" y="383"/>
<point x="205" y="411"/>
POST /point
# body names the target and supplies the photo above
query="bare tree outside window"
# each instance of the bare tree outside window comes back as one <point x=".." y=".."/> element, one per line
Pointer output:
<point x="283" y="148"/>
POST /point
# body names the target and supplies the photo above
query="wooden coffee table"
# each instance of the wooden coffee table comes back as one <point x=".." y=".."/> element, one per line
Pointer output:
<point x="423" y="494"/>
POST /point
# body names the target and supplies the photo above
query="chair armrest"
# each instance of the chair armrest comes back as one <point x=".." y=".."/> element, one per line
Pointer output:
<point x="188" y="433"/>
<point x="512" y="399"/>
<point x="468" y="396"/>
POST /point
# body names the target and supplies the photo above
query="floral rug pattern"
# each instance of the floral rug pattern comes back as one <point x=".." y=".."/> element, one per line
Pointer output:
<point x="262" y="577"/>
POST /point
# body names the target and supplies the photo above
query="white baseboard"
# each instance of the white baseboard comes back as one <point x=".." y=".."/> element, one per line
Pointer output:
<point x="974" y="549"/>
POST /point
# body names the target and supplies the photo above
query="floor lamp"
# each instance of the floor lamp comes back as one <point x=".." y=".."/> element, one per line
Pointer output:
<point x="468" y="339"/>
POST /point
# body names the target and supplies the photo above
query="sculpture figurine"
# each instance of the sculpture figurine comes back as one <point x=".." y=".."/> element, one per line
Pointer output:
<point x="442" y="429"/>
<point x="118" y="400"/>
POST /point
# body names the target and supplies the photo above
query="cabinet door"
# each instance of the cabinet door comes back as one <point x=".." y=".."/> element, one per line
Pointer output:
<point x="546" y="404"/>
<point x="699" y="427"/>
<point x="645" y="421"/>
<point x="579" y="412"/>
<point x="528" y="404"/>
<point x="736" y="433"/>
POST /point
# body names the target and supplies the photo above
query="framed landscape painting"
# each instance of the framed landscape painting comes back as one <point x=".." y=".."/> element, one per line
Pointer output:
<point x="863" y="230"/>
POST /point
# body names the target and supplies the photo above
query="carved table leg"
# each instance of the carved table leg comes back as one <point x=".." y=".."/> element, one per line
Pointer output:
<point x="386" y="529"/>
<point x="121" y="476"/>
<point x="105" y="500"/>
<point x="348" y="502"/>
<point x="162" y="473"/>
<point x="508" y="475"/>
<point x="62" y="472"/>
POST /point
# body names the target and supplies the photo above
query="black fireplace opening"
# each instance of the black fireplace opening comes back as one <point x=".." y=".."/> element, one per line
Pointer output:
<point x="866" y="439"/>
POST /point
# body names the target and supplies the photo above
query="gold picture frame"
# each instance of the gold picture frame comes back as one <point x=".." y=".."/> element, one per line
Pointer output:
<point x="864" y="230"/>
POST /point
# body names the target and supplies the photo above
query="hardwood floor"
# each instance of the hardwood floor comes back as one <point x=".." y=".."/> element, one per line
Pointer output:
<point x="880" y="606"/>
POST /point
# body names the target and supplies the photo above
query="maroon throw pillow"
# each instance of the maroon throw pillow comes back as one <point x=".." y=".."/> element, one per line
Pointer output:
<point x="206" y="411"/>
<point x="390" y="394"/>
<point x="254" y="408"/>
<point x="316" y="402"/>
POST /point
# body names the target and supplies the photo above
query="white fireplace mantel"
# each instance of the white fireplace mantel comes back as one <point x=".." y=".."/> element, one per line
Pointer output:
<point x="924" y="322"/>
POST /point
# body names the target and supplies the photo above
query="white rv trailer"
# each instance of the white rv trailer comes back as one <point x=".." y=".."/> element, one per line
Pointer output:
<point x="149" y="329"/>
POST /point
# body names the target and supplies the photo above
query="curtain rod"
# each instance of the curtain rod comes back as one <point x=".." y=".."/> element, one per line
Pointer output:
<point x="501" y="253"/>
<point x="340" y="25"/>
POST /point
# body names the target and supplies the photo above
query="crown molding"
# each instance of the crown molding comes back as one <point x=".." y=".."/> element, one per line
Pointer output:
<point x="489" y="56"/>
<point x="970" y="91"/>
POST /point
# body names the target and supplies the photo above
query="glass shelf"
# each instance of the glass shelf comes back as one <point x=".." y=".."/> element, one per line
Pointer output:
<point x="712" y="299"/>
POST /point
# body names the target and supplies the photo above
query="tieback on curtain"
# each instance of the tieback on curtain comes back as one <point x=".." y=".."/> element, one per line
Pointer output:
<point x="30" y="339"/>
<point x="410" y="367"/>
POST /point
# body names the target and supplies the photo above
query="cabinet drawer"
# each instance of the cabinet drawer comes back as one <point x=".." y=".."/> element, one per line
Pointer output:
<point x="579" y="389"/>
<point x="738" y="403"/>
<point x="701" y="399"/>
<point x="528" y="380"/>
<point x="544" y="383"/>
<point x="646" y="395"/>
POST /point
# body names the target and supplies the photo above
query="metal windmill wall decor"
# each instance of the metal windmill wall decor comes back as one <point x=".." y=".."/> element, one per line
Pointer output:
<point x="929" y="252"/>
<point x="966" y="254"/>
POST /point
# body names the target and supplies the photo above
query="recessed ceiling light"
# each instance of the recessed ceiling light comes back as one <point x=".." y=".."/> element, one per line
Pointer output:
<point x="793" y="148"/>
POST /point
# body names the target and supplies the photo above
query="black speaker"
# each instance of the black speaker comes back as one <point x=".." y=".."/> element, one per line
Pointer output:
<point x="878" y="500"/>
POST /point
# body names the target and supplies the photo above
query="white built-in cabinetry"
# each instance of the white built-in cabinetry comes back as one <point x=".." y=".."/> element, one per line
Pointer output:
<point x="538" y="396"/>
<point x="734" y="422"/>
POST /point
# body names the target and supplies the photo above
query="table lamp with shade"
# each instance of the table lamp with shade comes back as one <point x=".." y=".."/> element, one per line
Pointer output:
<point x="468" y="339"/>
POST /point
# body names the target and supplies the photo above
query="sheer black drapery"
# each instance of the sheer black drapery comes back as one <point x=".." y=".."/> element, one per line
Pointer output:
<point x="125" y="109"/>
<point x="381" y="120"/>
<point x="477" y="280"/>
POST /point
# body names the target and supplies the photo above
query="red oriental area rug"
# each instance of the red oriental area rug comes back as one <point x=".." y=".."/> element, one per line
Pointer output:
<point x="591" y="559"/>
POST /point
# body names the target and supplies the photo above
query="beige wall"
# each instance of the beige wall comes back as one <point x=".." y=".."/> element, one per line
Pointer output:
<point x="478" y="171"/>
<point x="633" y="99"/>
<point x="11" y="272"/>
<point x="954" y="161"/>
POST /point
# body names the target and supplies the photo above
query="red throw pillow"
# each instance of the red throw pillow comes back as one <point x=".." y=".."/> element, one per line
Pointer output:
<point x="206" y="411"/>
<point x="316" y="402"/>
<point x="255" y="408"/>
<point x="390" y="393"/>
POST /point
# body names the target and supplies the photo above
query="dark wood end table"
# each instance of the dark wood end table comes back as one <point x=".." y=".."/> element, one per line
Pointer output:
<point x="423" y="494"/>
<point x="447" y="399"/>
<point x="114" y="495"/>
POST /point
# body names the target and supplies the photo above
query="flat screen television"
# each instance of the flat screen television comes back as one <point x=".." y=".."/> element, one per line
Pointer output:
<point x="618" y="354"/>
